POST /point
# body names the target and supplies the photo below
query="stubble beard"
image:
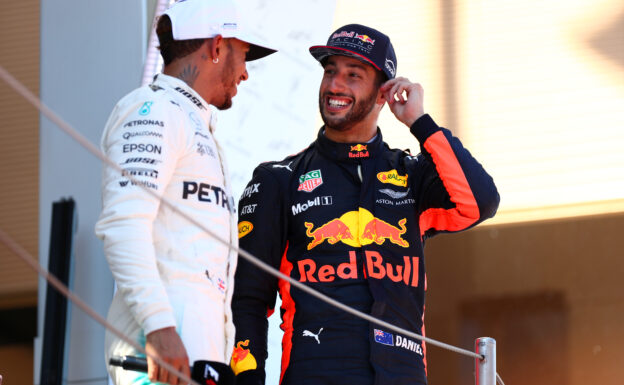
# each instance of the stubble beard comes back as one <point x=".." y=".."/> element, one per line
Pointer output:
<point x="228" y="82"/>
<point x="359" y="110"/>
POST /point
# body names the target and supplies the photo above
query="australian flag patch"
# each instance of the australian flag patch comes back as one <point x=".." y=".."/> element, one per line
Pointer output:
<point x="384" y="337"/>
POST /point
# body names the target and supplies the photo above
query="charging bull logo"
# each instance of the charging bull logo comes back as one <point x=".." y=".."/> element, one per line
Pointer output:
<point x="357" y="228"/>
<point x="242" y="359"/>
<point x="334" y="231"/>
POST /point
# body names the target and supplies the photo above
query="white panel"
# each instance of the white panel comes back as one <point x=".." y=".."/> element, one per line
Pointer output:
<point x="91" y="55"/>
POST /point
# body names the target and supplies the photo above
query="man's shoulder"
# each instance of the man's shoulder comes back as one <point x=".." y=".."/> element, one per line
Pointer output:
<point x="286" y="165"/>
<point x="148" y="97"/>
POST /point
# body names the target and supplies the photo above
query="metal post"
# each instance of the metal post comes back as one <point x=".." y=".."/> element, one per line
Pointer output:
<point x="485" y="369"/>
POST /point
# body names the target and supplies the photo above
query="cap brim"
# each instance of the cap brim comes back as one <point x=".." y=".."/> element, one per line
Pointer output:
<point x="258" y="52"/>
<point x="257" y="47"/>
<point x="320" y="52"/>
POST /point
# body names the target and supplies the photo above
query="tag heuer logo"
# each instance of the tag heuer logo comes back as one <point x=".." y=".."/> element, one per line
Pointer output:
<point x="310" y="180"/>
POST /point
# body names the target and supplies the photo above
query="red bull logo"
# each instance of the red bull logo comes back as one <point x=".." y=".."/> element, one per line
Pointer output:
<point x="375" y="267"/>
<point x="358" y="151"/>
<point x="242" y="359"/>
<point x="365" y="39"/>
<point x="357" y="228"/>
<point x="334" y="231"/>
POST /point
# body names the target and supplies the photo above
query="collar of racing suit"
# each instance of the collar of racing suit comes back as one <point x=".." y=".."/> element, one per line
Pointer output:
<point x="166" y="81"/>
<point x="349" y="151"/>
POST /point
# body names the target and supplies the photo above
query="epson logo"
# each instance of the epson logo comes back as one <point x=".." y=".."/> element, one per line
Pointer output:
<point x="318" y="201"/>
<point x="142" y="147"/>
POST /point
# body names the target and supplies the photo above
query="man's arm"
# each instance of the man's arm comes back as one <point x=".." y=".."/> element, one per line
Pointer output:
<point x="457" y="193"/>
<point x="128" y="213"/>
<point x="262" y="233"/>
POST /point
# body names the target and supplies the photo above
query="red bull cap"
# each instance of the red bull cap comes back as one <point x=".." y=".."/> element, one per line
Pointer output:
<point x="360" y="42"/>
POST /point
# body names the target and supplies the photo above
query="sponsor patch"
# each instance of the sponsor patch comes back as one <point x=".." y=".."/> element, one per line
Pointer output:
<point x="287" y="166"/>
<point x="142" y="147"/>
<point x="190" y="97"/>
<point x="392" y="177"/>
<point x="204" y="149"/>
<point x="318" y="201"/>
<point x="249" y="209"/>
<point x="394" y="194"/>
<point x="389" y="64"/>
<point x="375" y="267"/>
<point x="128" y="135"/>
<point x="385" y="338"/>
<point x="365" y="39"/>
<point x="141" y="160"/>
<point x="207" y="193"/>
<point x="310" y="180"/>
<point x="144" y="122"/>
<point x="146" y="108"/>
<point x="242" y="359"/>
<point x="359" y="151"/>
<point x="357" y="228"/>
<point x="143" y="183"/>
<point x="250" y="190"/>
<point x="244" y="228"/>
<point x="140" y="171"/>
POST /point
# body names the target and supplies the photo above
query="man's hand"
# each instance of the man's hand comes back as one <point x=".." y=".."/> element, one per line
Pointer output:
<point x="166" y="345"/>
<point x="405" y="99"/>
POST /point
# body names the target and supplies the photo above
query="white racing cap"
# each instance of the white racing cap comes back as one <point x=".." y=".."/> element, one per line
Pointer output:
<point x="204" y="19"/>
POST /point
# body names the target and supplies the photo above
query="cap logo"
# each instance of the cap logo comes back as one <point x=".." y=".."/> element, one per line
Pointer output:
<point x="365" y="39"/>
<point x="390" y="66"/>
<point x="342" y="34"/>
<point x="229" y="26"/>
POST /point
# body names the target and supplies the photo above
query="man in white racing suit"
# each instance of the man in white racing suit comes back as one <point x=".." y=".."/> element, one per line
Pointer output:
<point x="174" y="281"/>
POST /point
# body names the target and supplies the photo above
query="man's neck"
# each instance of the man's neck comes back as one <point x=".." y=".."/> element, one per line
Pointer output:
<point x="359" y="133"/>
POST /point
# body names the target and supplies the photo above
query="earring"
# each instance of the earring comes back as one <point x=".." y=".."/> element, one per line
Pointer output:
<point x="215" y="60"/>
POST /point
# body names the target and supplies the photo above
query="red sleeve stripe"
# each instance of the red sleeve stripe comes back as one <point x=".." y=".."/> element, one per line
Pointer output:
<point x="466" y="211"/>
<point x="288" y="304"/>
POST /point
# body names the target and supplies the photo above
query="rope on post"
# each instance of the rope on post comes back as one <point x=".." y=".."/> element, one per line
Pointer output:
<point x="485" y="368"/>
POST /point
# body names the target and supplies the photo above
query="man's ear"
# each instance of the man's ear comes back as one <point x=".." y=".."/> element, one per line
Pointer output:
<point x="380" y="100"/>
<point x="216" y="47"/>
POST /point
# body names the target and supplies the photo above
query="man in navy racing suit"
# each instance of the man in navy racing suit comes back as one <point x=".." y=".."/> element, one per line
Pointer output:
<point x="348" y="216"/>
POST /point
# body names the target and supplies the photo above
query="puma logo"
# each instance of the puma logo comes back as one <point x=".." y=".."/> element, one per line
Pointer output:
<point x="307" y="333"/>
<point x="287" y="167"/>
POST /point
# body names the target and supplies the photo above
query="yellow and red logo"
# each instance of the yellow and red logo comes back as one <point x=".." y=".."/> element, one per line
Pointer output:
<point x="392" y="177"/>
<point x="244" y="228"/>
<point x="357" y="228"/>
<point x="242" y="359"/>
<point x="358" y="151"/>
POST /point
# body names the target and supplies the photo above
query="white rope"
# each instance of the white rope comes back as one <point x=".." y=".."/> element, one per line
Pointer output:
<point x="22" y="90"/>
<point x="58" y="285"/>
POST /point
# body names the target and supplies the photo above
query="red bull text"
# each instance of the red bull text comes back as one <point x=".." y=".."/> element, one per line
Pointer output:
<point x="374" y="268"/>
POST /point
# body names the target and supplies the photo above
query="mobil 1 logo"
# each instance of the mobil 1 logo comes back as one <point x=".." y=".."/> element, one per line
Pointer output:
<point x="318" y="201"/>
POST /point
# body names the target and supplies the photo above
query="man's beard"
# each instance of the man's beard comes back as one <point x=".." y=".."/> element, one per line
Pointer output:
<point x="228" y="82"/>
<point x="359" y="110"/>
